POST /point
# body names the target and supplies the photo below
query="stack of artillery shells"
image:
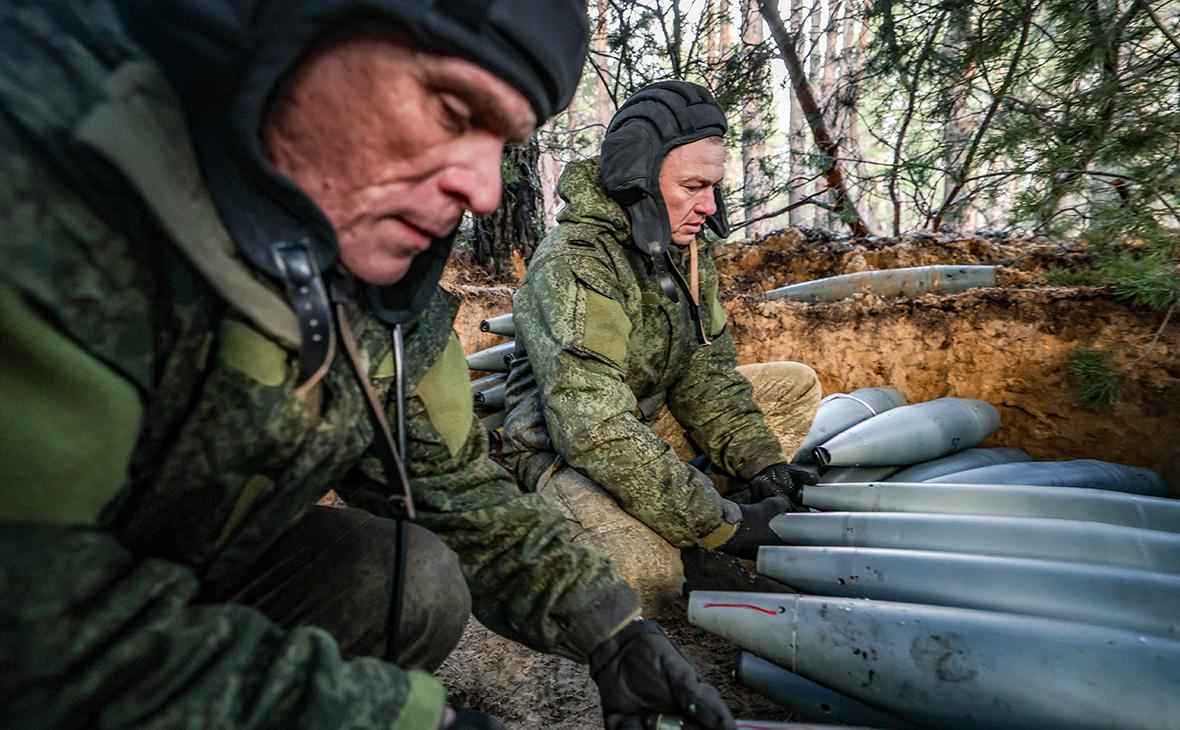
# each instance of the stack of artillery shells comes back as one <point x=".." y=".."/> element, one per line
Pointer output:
<point x="487" y="392"/>
<point x="946" y="585"/>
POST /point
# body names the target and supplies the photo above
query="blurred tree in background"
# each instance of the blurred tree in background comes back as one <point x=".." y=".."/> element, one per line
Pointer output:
<point x="1058" y="117"/>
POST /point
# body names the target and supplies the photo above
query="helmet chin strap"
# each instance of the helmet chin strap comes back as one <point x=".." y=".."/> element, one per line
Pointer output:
<point x="390" y="449"/>
<point x="309" y="297"/>
<point x="693" y="288"/>
<point x="660" y="265"/>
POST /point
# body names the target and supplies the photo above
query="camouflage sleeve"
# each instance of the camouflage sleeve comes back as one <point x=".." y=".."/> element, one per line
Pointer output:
<point x="527" y="581"/>
<point x="94" y="637"/>
<point x="714" y="403"/>
<point x="575" y="333"/>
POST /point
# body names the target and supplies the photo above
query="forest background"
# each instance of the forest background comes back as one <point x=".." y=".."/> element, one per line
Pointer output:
<point x="882" y="118"/>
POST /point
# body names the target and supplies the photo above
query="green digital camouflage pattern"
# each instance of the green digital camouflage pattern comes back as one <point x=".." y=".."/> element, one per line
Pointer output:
<point x="214" y="454"/>
<point x="605" y="350"/>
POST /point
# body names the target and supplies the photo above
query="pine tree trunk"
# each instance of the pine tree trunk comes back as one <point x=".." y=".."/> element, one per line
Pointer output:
<point x="550" y="169"/>
<point x="754" y="127"/>
<point x="726" y="29"/>
<point x="811" y="59"/>
<point x="515" y="226"/>
<point x="603" y="106"/>
<point x="847" y="125"/>
<point x="956" y="128"/>
<point x="827" y="85"/>
<point x="831" y="37"/>
<point x="797" y="135"/>
<point x="711" y="30"/>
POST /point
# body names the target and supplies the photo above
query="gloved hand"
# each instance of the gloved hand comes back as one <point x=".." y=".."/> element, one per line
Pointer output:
<point x="754" y="529"/>
<point x="782" y="478"/>
<point x="639" y="673"/>
<point x="465" y="719"/>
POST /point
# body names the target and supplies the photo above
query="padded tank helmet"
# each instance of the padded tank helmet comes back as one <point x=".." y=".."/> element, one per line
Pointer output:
<point x="655" y="120"/>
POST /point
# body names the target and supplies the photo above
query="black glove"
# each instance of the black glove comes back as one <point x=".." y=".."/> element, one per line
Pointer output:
<point x="785" y="479"/>
<point x="639" y="673"/>
<point x="465" y="719"/>
<point x="754" y="529"/>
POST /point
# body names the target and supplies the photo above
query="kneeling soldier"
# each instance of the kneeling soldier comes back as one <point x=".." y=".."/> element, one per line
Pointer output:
<point x="623" y="352"/>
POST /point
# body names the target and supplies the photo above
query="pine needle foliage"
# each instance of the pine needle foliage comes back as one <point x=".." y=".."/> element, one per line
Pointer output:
<point x="1151" y="278"/>
<point x="1067" y="107"/>
<point x="1096" y="382"/>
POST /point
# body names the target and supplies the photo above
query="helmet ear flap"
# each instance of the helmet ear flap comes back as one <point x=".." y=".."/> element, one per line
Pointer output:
<point x="719" y="221"/>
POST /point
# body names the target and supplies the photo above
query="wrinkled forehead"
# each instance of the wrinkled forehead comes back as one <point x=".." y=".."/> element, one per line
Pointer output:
<point x="703" y="159"/>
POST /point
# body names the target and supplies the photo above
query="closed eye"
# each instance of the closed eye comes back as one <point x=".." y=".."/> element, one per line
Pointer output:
<point x="457" y="115"/>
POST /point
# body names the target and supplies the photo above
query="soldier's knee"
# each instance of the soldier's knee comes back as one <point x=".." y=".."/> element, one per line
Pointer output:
<point x="433" y="573"/>
<point x="783" y="380"/>
<point x="808" y="381"/>
<point x="438" y="602"/>
<point x="797" y="376"/>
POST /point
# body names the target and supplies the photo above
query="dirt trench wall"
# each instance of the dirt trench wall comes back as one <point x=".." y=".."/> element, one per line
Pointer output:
<point x="1008" y="347"/>
<point x="787" y="257"/>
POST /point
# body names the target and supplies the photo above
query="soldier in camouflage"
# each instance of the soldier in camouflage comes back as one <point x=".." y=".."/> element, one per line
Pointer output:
<point x="622" y="359"/>
<point x="223" y="227"/>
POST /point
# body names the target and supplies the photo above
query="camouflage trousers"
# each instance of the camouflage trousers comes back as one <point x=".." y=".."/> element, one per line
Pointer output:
<point x="788" y="393"/>
<point x="334" y="569"/>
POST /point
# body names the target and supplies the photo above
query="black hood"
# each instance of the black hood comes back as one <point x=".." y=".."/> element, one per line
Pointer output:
<point x="224" y="58"/>
<point x="652" y="122"/>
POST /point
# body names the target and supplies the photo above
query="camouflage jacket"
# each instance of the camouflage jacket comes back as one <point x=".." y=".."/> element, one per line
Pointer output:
<point x="602" y="350"/>
<point x="151" y="441"/>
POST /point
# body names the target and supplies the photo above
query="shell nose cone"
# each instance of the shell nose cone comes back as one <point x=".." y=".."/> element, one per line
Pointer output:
<point x="910" y="434"/>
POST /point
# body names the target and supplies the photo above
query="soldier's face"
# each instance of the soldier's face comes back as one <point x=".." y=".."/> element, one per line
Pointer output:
<point x="688" y="177"/>
<point x="393" y="143"/>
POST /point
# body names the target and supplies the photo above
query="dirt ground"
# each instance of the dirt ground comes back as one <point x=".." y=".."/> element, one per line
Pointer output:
<point x="526" y="689"/>
<point x="1007" y="345"/>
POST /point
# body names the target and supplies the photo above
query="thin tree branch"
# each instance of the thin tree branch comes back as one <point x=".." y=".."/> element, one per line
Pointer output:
<point x="997" y="99"/>
<point x="1155" y="339"/>
<point x="812" y="199"/>
<point x="911" y="94"/>
<point x="828" y="150"/>
<point x="603" y="77"/>
<point x="1159" y="23"/>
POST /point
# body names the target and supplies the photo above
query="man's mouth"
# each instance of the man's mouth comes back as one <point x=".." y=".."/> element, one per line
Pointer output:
<point x="422" y="230"/>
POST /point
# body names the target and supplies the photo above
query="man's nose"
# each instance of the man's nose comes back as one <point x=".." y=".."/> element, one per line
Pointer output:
<point x="473" y="177"/>
<point x="706" y="203"/>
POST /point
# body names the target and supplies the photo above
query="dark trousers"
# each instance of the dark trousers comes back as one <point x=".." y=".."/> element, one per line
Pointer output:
<point x="334" y="569"/>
